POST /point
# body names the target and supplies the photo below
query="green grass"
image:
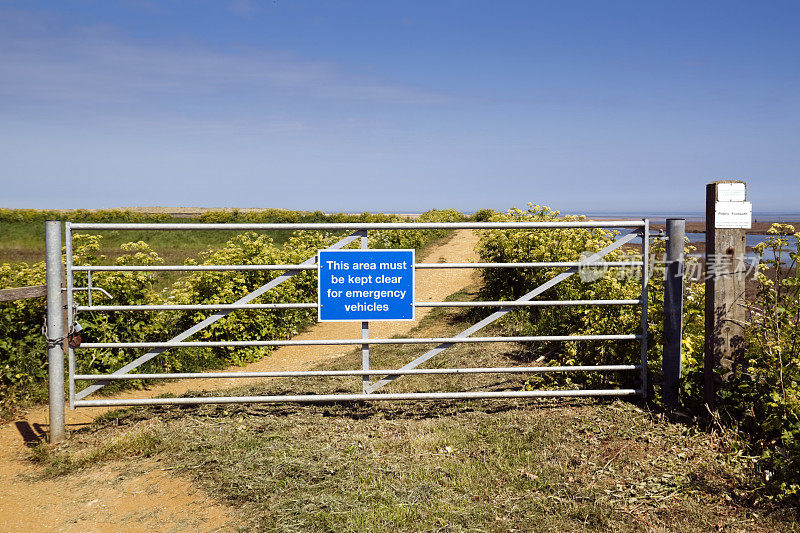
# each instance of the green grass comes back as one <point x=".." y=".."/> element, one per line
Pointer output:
<point x="550" y="465"/>
<point x="545" y="466"/>
<point x="24" y="241"/>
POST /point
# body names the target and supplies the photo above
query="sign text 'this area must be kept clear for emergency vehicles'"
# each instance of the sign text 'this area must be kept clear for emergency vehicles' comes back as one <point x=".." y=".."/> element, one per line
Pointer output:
<point x="363" y="285"/>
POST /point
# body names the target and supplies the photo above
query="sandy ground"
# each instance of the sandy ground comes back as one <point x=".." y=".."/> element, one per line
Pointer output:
<point x="109" y="498"/>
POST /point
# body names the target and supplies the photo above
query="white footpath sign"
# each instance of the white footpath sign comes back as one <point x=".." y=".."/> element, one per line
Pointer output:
<point x="733" y="215"/>
<point x="731" y="192"/>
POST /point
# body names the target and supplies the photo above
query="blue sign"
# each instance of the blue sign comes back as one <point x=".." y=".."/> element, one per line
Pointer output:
<point x="361" y="285"/>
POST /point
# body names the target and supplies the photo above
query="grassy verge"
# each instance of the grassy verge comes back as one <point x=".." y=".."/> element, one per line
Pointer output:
<point x="437" y="466"/>
<point x="443" y="466"/>
<point x="24" y="241"/>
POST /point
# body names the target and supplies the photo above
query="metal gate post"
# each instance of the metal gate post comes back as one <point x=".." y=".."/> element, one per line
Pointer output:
<point x="645" y="301"/>
<point x="365" y="330"/>
<point x="54" y="330"/>
<point x="673" y="311"/>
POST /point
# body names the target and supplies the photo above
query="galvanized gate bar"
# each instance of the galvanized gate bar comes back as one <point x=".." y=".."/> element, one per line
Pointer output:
<point x="495" y="316"/>
<point x="70" y="310"/>
<point x="196" y="307"/>
<point x="530" y="303"/>
<point x="362" y="225"/>
<point x="537" y="264"/>
<point x="190" y="268"/>
<point x="366" y="372"/>
<point x="216" y="316"/>
<point x="355" y="342"/>
<point x="317" y="398"/>
<point x="314" y="305"/>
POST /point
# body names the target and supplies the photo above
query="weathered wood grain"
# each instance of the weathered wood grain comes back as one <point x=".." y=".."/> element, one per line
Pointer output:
<point x="37" y="291"/>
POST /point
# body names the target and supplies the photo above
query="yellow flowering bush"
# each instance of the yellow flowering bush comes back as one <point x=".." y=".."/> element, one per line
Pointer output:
<point x="616" y="283"/>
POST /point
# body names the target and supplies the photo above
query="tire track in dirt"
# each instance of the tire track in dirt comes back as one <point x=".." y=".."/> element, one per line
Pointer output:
<point x="110" y="499"/>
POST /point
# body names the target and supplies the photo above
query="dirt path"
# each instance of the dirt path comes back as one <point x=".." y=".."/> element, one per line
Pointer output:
<point x="109" y="499"/>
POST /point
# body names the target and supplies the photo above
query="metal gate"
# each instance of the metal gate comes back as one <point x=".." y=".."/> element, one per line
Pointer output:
<point x="369" y="389"/>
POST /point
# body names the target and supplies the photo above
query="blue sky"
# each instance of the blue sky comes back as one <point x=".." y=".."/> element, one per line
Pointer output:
<point x="398" y="106"/>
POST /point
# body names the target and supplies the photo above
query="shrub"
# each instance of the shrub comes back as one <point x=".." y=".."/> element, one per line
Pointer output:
<point x="216" y="287"/>
<point x="762" y="396"/>
<point x="562" y="244"/>
<point x="571" y="244"/>
<point x="484" y="215"/>
<point x="23" y="370"/>
<point x="127" y="288"/>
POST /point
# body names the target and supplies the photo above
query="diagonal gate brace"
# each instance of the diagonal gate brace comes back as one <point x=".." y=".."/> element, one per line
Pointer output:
<point x="494" y="316"/>
<point x="216" y="316"/>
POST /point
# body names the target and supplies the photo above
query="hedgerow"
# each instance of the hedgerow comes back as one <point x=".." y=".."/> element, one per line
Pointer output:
<point x="80" y="215"/>
<point x="760" y="398"/>
<point x="23" y="361"/>
<point x="574" y="244"/>
<point x="23" y="370"/>
<point x="217" y="216"/>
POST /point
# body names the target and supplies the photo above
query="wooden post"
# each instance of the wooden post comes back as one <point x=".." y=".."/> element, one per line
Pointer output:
<point x="725" y="287"/>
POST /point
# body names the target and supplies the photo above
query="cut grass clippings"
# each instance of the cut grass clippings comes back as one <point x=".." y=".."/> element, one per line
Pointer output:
<point x="547" y="465"/>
